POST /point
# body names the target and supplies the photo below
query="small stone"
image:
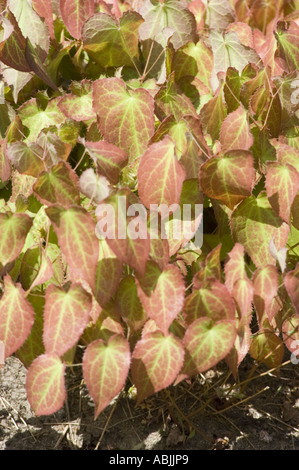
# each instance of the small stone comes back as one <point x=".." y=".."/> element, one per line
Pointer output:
<point x="264" y="436"/>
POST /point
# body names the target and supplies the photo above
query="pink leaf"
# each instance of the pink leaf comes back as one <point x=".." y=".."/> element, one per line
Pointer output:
<point x="160" y="175"/>
<point x="235" y="132"/>
<point x="45" y="384"/>
<point x="65" y="318"/>
<point x="74" y="14"/>
<point x="156" y="362"/>
<point x="16" y="317"/>
<point x="75" y="230"/>
<point x="162" y="294"/>
<point x="105" y="369"/>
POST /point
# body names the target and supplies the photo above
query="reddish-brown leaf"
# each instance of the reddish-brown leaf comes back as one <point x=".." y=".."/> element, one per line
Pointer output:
<point x="74" y="14"/>
<point x="228" y="178"/>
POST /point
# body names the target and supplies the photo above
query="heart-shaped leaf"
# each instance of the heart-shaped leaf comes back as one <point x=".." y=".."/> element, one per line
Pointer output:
<point x="126" y="118"/>
<point x="211" y="299"/>
<point x="162" y="294"/>
<point x="14" y="229"/>
<point x="65" y="318"/>
<point x="282" y="184"/>
<point x="74" y="14"/>
<point x="45" y="384"/>
<point x="105" y="369"/>
<point x="108" y="158"/>
<point x="256" y="216"/>
<point x="75" y="230"/>
<point x="111" y="43"/>
<point x="160" y="175"/>
<point x="206" y="343"/>
<point x="156" y="362"/>
<point x="59" y="185"/>
<point x="16" y="317"/>
<point x="228" y="178"/>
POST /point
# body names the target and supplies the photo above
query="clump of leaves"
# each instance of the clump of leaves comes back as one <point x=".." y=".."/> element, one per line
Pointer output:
<point x="148" y="102"/>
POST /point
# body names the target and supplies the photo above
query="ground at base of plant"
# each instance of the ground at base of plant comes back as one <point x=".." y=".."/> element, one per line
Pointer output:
<point x="205" y="413"/>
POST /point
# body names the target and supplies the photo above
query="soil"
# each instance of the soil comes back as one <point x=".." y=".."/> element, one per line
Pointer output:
<point x="209" y="412"/>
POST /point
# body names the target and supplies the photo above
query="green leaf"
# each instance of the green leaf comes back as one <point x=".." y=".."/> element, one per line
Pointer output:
<point x="36" y="267"/>
<point x="126" y="118"/>
<point x="108" y="274"/>
<point x="213" y="113"/>
<point x="290" y="333"/>
<point x="267" y="348"/>
<point x="45" y="384"/>
<point x="65" y="317"/>
<point x="33" y="346"/>
<point x="254" y="224"/>
<point x="171" y="101"/>
<point x="16" y="317"/>
<point x="193" y="60"/>
<point x="105" y="369"/>
<point x="129" y="305"/>
<point x="111" y="44"/>
<point x="35" y="118"/>
<point x="288" y="44"/>
<point x="156" y="362"/>
<point x="228" y="178"/>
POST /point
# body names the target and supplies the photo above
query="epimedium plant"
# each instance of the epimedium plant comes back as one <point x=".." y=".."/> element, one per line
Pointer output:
<point x="159" y="103"/>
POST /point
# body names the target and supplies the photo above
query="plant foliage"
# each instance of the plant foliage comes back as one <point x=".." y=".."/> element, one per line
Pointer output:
<point x="150" y="102"/>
